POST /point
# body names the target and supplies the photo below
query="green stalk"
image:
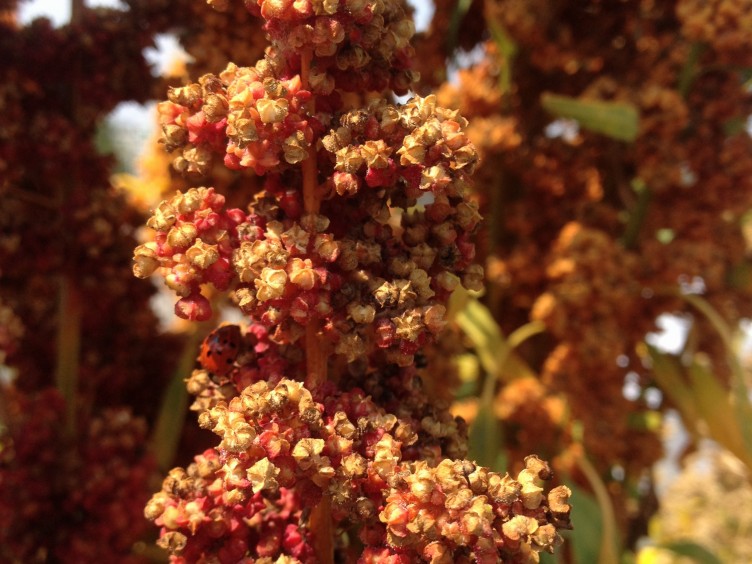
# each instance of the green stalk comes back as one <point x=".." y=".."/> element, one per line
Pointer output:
<point x="608" y="549"/>
<point x="167" y="430"/>
<point x="515" y="339"/>
<point x="637" y="217"/>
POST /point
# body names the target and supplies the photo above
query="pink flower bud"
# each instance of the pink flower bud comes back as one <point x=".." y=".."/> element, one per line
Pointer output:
<point x="195" y="307"/>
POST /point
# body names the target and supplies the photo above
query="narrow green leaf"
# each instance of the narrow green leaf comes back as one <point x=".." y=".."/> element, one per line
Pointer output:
<point x="507" y="49"/>
<point x="742" y="407"/>
<point x="172" y="412"/>
<point x="646" y="421"/>
<point x="458" y="14"/>
<point x="714" y="406"/>
<point x="698" y="553"/>
<point x="485" y="439"/>
<point x="689" y="71"/>
<point x="740" y="277"/>
<point x="668" y="374"/>
<point x="734" y="126"/>
<point x="478" y="324"/>
<point x="586" y="516"/>
<point x="637" y="214"/>
<point x="617" y="120"/>
<point x="608" y="548"/>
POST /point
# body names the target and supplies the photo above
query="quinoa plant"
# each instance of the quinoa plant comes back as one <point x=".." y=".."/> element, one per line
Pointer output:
<point x="342" y="263"/>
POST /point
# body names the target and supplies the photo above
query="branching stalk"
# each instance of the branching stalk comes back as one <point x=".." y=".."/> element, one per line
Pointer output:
<point x="68" y="349"/>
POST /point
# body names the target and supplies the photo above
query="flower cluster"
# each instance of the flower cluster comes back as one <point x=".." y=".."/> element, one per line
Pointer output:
<point x="70" y="501"/>
<point x="245" y="114"/>
<point x="279" y="444"/>
<point x="598" y="237"/>
<point x="393" y="269"/>
<point x="358" y="45"/>
<point x="460" y="512"/>
<point x="343" y="259"/>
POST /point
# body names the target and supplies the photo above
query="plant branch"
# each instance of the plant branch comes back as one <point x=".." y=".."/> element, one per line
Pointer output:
<point x="68" y="349"/>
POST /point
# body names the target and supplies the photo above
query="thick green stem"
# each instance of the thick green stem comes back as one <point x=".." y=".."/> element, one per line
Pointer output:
<point x="167" y="430"/>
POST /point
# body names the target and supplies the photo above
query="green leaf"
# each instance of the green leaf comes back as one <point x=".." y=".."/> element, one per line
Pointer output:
<point x="651" y="421"/>
<point x="617" y="120"/>
<point x="485" y="439"/>
<point x="478" y="324"/>
<point x="741" y="406"/>
<point x="588" y="525"/>
<point x="690" y="69"/>
<point x="668" y="373"/>
<point x="714" y="406"/>
<point x="740" y="277"/>
<point x="734" y="126"/>
<point x="507" y="51"/>
<point x="172" y="412"/>
<point x="698" y="553"/>
<point x="458" y="14"/>
<point x="608" y="542"/>
<point x="637" y="214"/>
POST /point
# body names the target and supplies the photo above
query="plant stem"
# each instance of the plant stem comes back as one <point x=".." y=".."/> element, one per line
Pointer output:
<point x="316" y="351"/>
<point x="68" y="349"/>
<point x="167" y="430"/>
<point x="311" y="200"/>
<point x="636" y="218"/>
<point x="609" y="543"/>
<point x="77" y="10"/>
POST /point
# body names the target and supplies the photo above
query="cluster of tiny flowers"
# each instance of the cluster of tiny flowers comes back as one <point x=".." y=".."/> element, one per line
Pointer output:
<point x="358" y="45"/>
<point x="278" y="443"/>
<point x="460" y="512"/>
<point x="391" y="271"/>
<point x="254" y="120"/>
<point x="343" y="262"/>
<point x="192" y="246"/>
<point x="70" y="501"/>
<point x="198" y="514"/>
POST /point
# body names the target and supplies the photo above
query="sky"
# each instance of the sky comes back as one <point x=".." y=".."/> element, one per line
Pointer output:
<point x="59" y="10"/>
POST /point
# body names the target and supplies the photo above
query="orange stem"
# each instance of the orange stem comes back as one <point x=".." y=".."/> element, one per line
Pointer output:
<point x="310" y="171"/>
<point x="323" y="531"/>
<point x="316" y="354"/>
<point x="316" y="350"/>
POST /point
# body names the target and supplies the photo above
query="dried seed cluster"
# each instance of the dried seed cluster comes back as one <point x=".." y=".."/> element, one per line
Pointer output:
<point x="459" y="512"/>
<point x="358" y="45"/>
<point x="197" y="516"/>
<point x="383" y="277"/>
<point x="278" y="442"/>
<point x="343" y="262"/>
<point x="89" y="492"/>
<point x="579" y="218"/>
<point x="245" y="114"/>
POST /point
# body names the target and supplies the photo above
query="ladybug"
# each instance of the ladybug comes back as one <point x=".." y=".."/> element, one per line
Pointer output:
<point x="220" y="349"/>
